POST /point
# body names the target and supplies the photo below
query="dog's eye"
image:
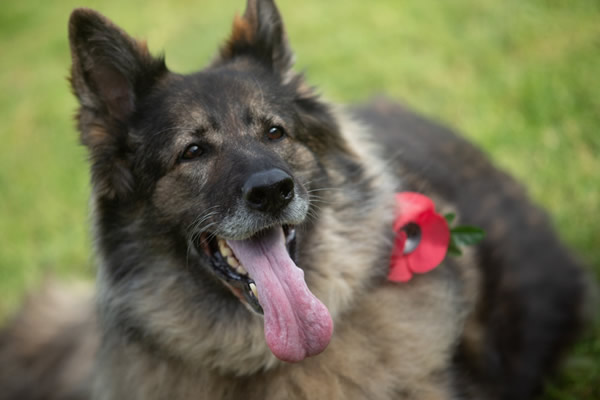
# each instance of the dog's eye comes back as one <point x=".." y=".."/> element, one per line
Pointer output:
<point x="275" y="133"/>
<point x="191" y="152"/>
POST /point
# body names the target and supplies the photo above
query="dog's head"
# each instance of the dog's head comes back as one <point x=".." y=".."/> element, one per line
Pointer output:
<point x="222" y="169"/>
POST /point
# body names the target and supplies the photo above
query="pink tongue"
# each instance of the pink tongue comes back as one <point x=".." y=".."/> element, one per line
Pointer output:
<point x="297" y="324"/>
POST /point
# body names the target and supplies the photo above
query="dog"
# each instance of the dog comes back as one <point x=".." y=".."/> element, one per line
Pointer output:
<point x="243" y="230"/>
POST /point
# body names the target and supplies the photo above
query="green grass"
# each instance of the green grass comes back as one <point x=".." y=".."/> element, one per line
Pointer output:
<point x="520" y="78"/>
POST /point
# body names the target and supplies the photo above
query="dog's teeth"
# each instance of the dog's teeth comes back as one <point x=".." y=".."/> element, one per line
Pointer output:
<point x="224" y="249"/>
<point x="291" y="236"/>
<point x="240" y="270"/>
<point x="233" y="261"/>
<point x="254" y="289"/>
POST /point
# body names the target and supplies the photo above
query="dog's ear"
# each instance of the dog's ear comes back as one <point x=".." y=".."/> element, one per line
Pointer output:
<point x="110" y="73"/>
<point x="110" y="69"/>
<point x="260" y="34"/>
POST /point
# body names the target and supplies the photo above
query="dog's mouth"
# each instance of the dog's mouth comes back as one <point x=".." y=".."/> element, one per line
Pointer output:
<point x="229" y="269"/>
<point x="261" y="272"/>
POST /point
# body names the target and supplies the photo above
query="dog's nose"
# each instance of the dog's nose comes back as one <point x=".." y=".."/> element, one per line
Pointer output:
<point x="269" y="191"/>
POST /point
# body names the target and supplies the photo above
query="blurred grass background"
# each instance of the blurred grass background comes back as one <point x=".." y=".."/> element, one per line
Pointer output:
<point x="519" y="78"/>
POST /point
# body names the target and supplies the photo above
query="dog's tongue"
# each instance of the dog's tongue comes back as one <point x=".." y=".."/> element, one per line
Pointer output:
<point x="297" y="324"/>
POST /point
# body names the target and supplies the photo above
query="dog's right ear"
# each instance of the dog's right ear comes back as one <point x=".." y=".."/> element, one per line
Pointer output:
<point x="110" y="73"/>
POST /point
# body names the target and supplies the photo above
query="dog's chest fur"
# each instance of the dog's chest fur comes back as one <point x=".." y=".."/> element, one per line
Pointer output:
<point x="397" y="342"/>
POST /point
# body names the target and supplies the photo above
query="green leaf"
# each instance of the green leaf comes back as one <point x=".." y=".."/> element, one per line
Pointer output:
<point x="449" y="217"/>
<point x="453" y="249"/>
<point x="466" y="235"/>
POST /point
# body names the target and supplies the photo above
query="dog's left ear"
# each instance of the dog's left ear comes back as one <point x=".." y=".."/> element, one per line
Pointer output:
<point x="260" y="34"/>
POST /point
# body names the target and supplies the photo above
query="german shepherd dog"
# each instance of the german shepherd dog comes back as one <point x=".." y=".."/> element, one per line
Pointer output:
<point x="243" y="232"/>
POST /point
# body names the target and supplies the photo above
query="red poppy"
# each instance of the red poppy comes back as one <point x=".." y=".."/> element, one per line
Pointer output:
<point x="422" y="237"/>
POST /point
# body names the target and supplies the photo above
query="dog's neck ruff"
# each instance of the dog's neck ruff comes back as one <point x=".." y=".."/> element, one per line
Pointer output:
<point x="297" y="325"/>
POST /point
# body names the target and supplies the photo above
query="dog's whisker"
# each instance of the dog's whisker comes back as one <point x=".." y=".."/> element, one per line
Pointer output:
<point x="198" y="232"/>
<point x="203" y="217"/>
<point x="322" y="200"/>
<point x="323" y="189"/>
<point x="209" y="237"/>
<point x="317" y="204"/>
<point x="202" y="228"/>
<point x="312" y="196"/>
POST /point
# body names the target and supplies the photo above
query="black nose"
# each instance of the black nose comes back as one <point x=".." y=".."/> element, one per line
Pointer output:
<point x="269" y="191"/>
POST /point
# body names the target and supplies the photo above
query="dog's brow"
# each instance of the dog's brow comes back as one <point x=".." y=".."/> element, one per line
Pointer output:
<point x="214" y="124"/>
<point x="249" y="116"/>
<point x="197" y="114"/>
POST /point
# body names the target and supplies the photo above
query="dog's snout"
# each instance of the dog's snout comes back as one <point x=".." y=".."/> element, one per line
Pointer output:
<point x="268" y="191"/>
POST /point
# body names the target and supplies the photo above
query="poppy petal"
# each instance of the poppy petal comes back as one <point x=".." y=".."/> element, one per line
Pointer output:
<point x="399" y="268"/>
<point x="435" y="237"/>
<point x="409" y="206"/>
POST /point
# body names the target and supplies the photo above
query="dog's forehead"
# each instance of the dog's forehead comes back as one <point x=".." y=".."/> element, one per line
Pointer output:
<point x="217" y="97"/>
